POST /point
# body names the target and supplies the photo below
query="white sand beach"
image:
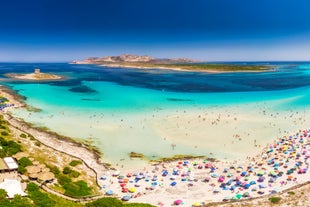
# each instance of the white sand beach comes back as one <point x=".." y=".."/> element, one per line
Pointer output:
<point x="283" y="162"/>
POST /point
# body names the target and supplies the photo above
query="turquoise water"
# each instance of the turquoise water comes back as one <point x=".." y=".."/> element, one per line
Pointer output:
<point x="123" y="110"/>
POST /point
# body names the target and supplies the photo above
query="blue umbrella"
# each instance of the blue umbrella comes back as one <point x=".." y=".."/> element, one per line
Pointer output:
<point x="126" y="198"/>
<point x="252" y="182"/>
<point x="246" y="186"/>
<point x="173" y="183"/>
<point x="109" y="192"/>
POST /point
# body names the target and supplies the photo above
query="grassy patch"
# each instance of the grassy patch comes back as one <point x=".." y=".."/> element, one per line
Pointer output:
<point x="275" y="200"/>
<point x="108" y="202"/>
<point x="74" y="163"/>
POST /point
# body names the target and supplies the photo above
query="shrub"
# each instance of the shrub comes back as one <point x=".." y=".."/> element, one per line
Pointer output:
<point x="291" y="193"/>
<point x="39" y="198"/>
<point x="23" y="135"/>
<point x="77" y="189"/>
<point x="37" y="143"/>
<point x="74" y="163"/>
<point x="274" y="199"/>
<point x="4" y="133"/>
<point x="74" y="174"/>
<point x="105" y="202"/>
<point x="67" y="170"/>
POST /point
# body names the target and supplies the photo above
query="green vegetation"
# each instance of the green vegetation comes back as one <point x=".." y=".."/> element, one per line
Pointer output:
<point x="73" y="189"/>
<point x="136" y="155"/>
<point x="39" y="198"/>
<point x="72" y="173"/>
<point x="22" y="135"/>
<point x="291" y="193"/>
<point x="217" y="67"/>
<point x="8" y="148"/>
<point x="274" y="200"/>
<point x="22" y="164"/>
<point x="77" y="189"/>
<point x="74" y="163"/>
<point x="17" y="201"/>
<point x="181" y="157"/>
<point x="108" y="202"/>
<point x="201" y="67"/>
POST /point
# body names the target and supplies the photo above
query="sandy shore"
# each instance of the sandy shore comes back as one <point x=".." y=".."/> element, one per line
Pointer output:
<point x="195" y="180"/>
<point x="34" y="76"/>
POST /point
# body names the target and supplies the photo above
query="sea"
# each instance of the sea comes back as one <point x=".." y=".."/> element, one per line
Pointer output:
<point x="161" y="113"/>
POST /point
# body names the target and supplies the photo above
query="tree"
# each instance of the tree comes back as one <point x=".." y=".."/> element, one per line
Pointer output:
<point x="3" y="194"/>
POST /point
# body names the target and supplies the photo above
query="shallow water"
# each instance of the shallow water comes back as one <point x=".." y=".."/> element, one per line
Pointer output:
<point x="160" y="113"/>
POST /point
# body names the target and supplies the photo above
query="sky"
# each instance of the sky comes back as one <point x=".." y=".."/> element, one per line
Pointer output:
<point x="209" y="30"/>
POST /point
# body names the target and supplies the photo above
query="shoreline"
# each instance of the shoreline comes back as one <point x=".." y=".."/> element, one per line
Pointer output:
<point x="180" y="69"/>
<point x="175" y="68"/>
<point x="93" y="162"/>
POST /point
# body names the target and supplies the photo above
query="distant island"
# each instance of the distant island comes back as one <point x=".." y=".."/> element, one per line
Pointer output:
<point x="36" y="75"/>
<point x="184" y="64"/>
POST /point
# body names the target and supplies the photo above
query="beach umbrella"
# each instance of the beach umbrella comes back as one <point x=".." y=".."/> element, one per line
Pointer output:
<point x="109" y="192"/>
<point x="238" y="196"/>
<point x="183" y="179"/>
<point x="104" y="177"/>
<point x="246" y="186"/>
<point x="125" y="190"/>
<point x="121" y="177"/>
<point x="126" y="198"/>
<point x="271" y="180"/>
<point x="262" y="186"/>
<point x="178" y="202"/>
<point x="261" y="179"/>
<point x="246" y="195"/>
<point x="232" y="187"/>
<point x="243" y="174"/>
<point x="252" y="182"/>
<point x="116" y="173"/>
<point x="229" y="175"/>
<point x="216" y="191"/>
<point x="261" y="173"/>
<point x="207" y="179"/>
<point x="165" y="173"/>
<point x="196" y="204"/>
<point x="221" y="179"/>
<point x="132" y="190"/>
<point x="214" y="175"/>
<point x="173" y="183"/>
<point x="260" y="192"/>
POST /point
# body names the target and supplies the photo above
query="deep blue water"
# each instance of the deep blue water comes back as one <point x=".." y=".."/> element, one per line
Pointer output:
<point x="289" y="75"/>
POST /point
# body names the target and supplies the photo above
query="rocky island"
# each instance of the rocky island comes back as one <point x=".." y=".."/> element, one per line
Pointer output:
<point x="36" y="75"/>
<point x="183" y="64"/>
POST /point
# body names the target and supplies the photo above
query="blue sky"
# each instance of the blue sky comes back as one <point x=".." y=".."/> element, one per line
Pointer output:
<point x="221" y="30"/>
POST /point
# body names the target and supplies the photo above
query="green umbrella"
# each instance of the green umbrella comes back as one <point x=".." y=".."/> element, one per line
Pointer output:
<point x="238" y="196"/>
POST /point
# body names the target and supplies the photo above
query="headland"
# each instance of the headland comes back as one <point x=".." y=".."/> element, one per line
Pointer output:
<point x="37" y="75"/>
<point x="179" y="64"/>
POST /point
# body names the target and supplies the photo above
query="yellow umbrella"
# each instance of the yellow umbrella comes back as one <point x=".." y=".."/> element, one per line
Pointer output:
<point x="132" y="190"/>
<point x="196" y="204"/>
